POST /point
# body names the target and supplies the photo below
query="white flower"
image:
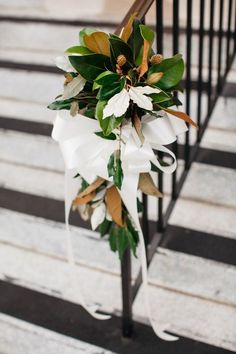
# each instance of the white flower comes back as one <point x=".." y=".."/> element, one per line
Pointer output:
<point x="63" y="63"/>
<point x="74" y="87"/>
<point x="118" y="104"/>
<point x="98" y="216"/>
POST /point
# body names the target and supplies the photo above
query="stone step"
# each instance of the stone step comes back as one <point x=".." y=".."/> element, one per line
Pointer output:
<point x="54" y="39"/>
<point x="38" y="263"/>
<point x="30" y="338"/>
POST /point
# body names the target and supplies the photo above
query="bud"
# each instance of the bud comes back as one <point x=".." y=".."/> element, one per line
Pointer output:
<point x="121" y="60"/>
<point x="156" y="59"/>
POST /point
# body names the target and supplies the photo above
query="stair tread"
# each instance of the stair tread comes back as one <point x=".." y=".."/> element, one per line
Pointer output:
<point x="30" y="338"/>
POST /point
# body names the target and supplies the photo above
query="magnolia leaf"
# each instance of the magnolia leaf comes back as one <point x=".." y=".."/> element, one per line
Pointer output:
<point x="115" y="170"/>
<point x="127" y="30"/>
<point x="111" y="136"/>
<point x="90" y="66"/>
<point x="108" y="124"/>
<point x="100" y="76"/>
<point x="147" y="34"/>
<point x="98" y="42"/>
<point x="120" y="47"/>
<point x="154" y="78"/>
<point x="144" y="66"/>
<point x="98" y="216"/>
<point x="73" y="87"/>
<point x="104" y="227"/>
<point x="58" y="105"/>
<point x="147" y="186"/>
<point x="117" y="105"/>
<point x="78" y="49"/>
<point x="92" y="187"/>
<point x="114" y="205"/>
<point x="182" y="115"/>
<point x="85" y="31"/>
<point x="140" y="99"/>
<point x="172" y="69"/>
<point x="84" y="200"/>
<point x="136" y="40"/>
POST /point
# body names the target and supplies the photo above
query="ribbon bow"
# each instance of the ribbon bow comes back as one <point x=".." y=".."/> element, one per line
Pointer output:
<point x="85" y="152"/>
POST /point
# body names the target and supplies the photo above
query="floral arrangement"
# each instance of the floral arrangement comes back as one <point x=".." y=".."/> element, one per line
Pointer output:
<point x="116" y="114"/>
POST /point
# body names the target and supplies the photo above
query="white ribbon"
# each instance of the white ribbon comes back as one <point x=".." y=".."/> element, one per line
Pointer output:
<point x="85" y="152"/>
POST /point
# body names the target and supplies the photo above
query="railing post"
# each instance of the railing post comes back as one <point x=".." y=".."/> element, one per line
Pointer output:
<point x="159" y="42"/>
<point x="188" y="77"/>
<point x="127" y="321"/>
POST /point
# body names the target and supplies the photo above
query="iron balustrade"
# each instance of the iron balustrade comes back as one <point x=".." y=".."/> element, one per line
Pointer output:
<point x="209" y="81"/>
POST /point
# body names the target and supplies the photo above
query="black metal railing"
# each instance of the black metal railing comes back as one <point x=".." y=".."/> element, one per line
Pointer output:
<point x="211" y="45"/>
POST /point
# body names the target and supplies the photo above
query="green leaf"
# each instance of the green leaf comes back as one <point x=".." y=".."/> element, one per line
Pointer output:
<point x="113" y="238"/>
<point x="119" y="47"/>
<point x="147" y="33"/>
<point x="108" y="137"/>
<point x="132" y="230"/>
<point x="108" y="78"/>
<point x="90" y="66"/>
<point x="108" y="124"/>
<point x="136" y="40"/>
<point x="173" y="69"/>
<point x="90" y="112"/>
<point x="110" y="88"/>
<point x="104" y="227"/>
<point x="79" y="49"/>
<point x="118" y="240"/>
<point x="115" y="170"/>
<point x="58" y="105"/>
<point x="160" y="97"/>
<point x="84" y="31"/>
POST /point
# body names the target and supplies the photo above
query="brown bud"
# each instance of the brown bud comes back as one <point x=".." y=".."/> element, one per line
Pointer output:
<point x="121" y="60"/>
<point x="156" y="59"/>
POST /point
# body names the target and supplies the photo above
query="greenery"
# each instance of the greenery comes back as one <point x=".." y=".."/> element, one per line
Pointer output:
<point x="109" y="78"/>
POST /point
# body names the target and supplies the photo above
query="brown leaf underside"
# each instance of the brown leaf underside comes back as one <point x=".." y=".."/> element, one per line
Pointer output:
<point x="85" y="199"/>
<point x="98" y="42"/>
<point x="144" y="65"/>
<point x="92" y="187"/>
<point x="147" y="186"/>
<point x="181" y="115"/>
<point x="127" y="30"/>
<point x="114" y="205"/>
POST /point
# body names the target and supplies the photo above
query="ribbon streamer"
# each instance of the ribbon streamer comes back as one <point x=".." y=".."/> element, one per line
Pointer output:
<point x="86" y="153"/>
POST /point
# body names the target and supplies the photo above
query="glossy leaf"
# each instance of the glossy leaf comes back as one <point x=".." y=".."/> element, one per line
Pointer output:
<point x="79" y="49"/>
<point x="108" y="124"/>
<point x="172" y="68"/>
<point x="58" y="105"/>
<point x="147" y="34"/>
<point x="119" y="47"/>
<point x="90" y="66"/>
<point x="136" y="40"/>
<point x="115" y="170"/>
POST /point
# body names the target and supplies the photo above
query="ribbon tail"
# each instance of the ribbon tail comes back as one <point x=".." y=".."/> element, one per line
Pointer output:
<point x="158" y="329"/>
<point x="129" y="196"/>
<point x="71" y="188"/>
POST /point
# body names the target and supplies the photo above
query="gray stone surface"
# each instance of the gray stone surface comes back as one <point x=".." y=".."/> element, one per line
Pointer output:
<point x="205" y="217"/>
<point x="29" y="338"/>
<point x="39" y="152"/>
<point x="12" y="108"/>
<point x="211" y="184"/>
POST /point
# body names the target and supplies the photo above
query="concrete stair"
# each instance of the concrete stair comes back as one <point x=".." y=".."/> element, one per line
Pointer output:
<point x="193" y="293"/>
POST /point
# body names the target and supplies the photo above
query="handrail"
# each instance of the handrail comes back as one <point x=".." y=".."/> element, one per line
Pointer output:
<point x="139" y="6"/>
